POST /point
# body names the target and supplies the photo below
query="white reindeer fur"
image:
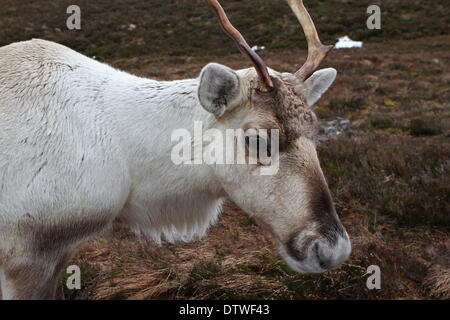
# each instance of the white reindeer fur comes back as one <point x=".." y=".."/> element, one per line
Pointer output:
<point x="96" y="143"/>
<point x="81" y="142"/>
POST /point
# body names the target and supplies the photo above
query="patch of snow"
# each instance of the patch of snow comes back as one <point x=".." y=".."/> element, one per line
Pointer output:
<point x="345" y="42"/>
<point x="258" y="48"/>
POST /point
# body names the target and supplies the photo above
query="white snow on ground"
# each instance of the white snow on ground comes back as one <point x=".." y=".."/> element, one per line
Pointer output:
<point x="345" y="42"/>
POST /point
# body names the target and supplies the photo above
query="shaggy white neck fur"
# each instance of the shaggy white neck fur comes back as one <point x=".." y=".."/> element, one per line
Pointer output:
<point x="96" y="145"/>
<point x="177" y="201"/>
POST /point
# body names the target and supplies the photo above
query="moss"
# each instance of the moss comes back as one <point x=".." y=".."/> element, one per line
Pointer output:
<point x="347" y="104"/>
<point x="381" y="121"/>
<point x="389" y="104"/>
<point x="424" y="127"/>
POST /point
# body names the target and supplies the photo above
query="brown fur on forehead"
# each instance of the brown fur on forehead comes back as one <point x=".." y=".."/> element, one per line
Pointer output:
<point x="288" y="112"/>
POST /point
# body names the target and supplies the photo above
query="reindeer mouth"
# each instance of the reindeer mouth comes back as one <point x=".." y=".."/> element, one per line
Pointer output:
<point x="304" y="266"/>
<point x="314" y="255"/>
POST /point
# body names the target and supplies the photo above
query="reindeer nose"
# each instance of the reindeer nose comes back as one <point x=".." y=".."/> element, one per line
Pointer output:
<point x="315" y="254"/>
<point x="330" y="256"/>
<point x="324" y="262"/>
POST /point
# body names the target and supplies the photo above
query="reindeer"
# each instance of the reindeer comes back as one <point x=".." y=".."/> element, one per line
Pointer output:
<point x="83" y="145"/>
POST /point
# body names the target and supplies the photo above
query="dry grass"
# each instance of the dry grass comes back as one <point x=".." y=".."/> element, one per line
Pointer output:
<point x="437" y="280"/>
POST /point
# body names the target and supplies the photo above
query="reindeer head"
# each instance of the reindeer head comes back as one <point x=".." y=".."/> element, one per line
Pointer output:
<point x="294" y="204"/>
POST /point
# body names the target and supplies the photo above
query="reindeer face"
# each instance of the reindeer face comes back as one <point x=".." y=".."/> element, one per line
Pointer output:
<point x="294" y="203"/>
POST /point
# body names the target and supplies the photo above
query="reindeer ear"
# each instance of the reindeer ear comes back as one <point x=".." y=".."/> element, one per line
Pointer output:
<point x="318" y="84"/>
<point x="218" y="90"/>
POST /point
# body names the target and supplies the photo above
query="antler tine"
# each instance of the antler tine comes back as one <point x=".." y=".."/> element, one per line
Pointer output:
<point x="265" y="81"/>
<point x="316" y="50"/>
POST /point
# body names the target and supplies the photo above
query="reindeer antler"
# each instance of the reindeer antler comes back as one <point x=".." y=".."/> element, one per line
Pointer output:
<point x="316" y="50"/>
<point x="265" y="82"/>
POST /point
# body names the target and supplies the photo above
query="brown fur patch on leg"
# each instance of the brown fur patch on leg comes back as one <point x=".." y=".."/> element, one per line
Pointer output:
<point x="35" y="278"/>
